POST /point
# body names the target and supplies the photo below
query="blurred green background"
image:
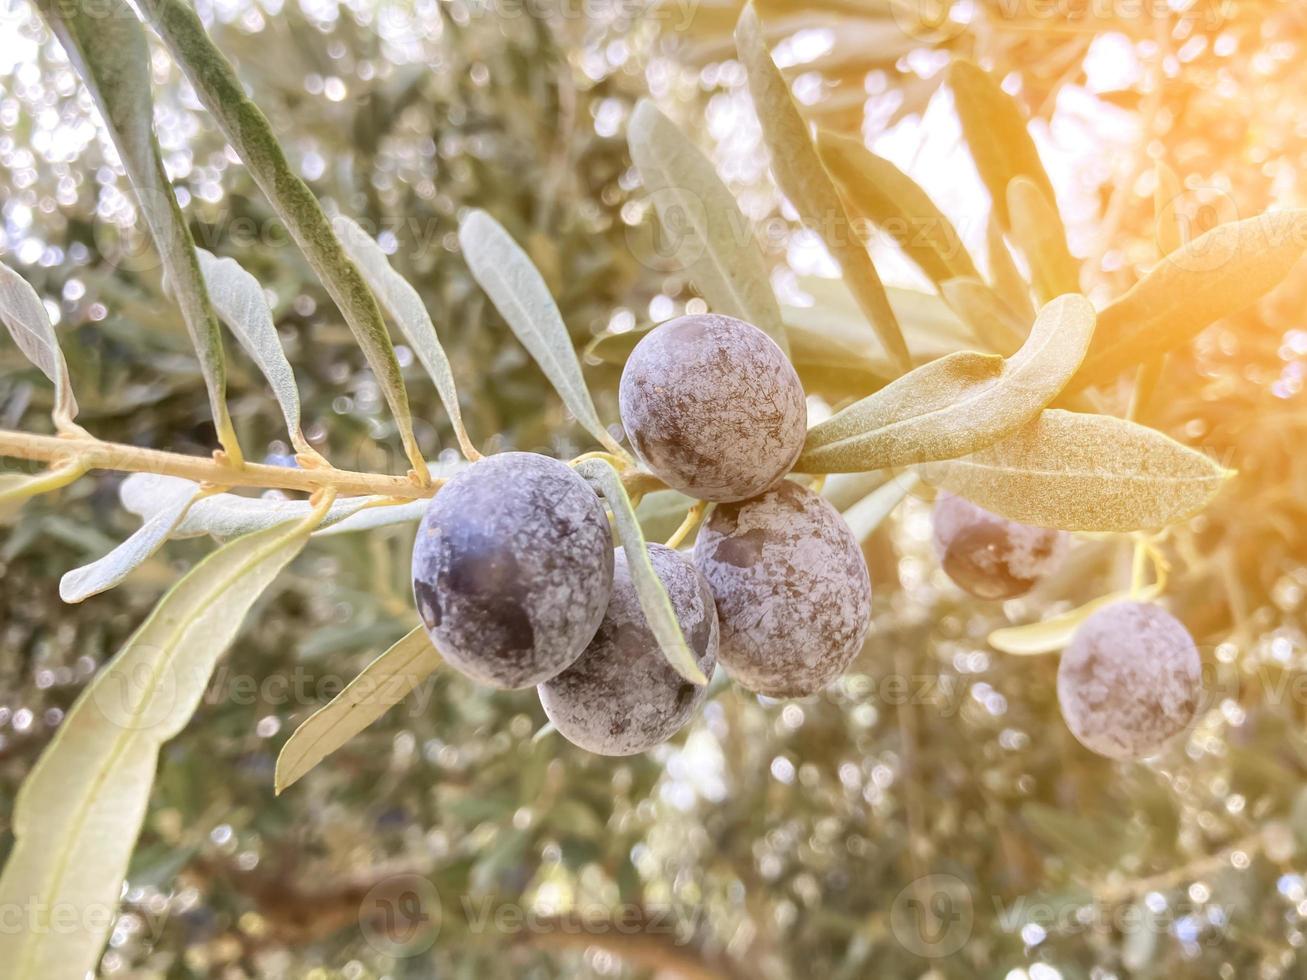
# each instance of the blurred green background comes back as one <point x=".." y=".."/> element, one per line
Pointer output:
<point x="929" y="815"/>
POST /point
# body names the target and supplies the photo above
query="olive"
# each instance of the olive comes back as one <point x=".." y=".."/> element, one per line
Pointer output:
<point x="713" y="407"/>
<point x="512" y="569"/>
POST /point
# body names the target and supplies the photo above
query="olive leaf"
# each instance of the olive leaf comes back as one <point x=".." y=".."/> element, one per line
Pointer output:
<point x="1052" y="635"/>
<point x="995" y="324"/>
<point x="242" y="305"/>
<point x="1084" y="472"/>
<point x="804" y="180"/>
<point x="713" y="240"/>
<point x="381" y="685"/>
<point x="378" y="512"/>
<point x="226" y="515"/>
<point x="250" y="134"/>
<point x="1009" y="284"/>
<point x="518" y="291"/>
<point x="884" y="194"/>
<point x="1038" y="231"/>
<point x="22" y="311"/>
<point x="107" y="45"/>
<point x="408" y="311"/>
<point x="868" y="513"/>
<point x="956" y="405"/>
<point x="1211" y="277"/>
<point x="15" y="489"/>
<point x="77" y="815"/>
<point x="109" y="570"/>
<point x="995" y="130"/>
<point x="654" y="603"/>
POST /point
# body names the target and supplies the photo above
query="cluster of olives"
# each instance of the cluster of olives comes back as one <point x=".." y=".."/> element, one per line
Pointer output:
<point x="518" y="583"/>
<point x="1131" y="678"/>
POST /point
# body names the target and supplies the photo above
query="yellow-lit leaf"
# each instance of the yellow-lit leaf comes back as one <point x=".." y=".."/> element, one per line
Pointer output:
<point x="956" y="405"/>
<point x="1083" y="472"/>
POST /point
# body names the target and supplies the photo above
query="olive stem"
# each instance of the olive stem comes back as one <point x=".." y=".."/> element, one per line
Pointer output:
<point x="96" y="454"/>
<point x="692" y="518"/>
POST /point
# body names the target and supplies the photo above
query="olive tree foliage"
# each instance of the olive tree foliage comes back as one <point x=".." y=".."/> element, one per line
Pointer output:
<point x="993" y="388"/>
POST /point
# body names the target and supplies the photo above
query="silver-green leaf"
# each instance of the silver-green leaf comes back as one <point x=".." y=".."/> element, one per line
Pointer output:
<point x="956" y="405"/>
<point x="654" y="603"/>
<point x="517" y="289"/>
<point x="408" y="311"/>
<point x="78" y="814"/>
<point x="380" y="686"/>
<point x="110" y="569"/>
<point x="22" y="311"/>
<point x="107" y="44"/>
<point x="250" y="134"/>
<point x="712" y="238"/>
<point x="804" y="179"/>
<point x="243" y="306"/>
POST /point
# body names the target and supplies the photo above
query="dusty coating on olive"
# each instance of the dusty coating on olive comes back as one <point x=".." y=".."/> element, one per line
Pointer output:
<point x="792" y="591"/>
<point x="622" y="696"/>
<point x="512" y="569"/>
<point x="990" y="556"/>
<point x="1130" y="680"/>
<point x="713" y="407"/>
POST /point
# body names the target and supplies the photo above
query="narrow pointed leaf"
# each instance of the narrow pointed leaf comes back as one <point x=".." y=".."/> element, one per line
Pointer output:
<point x="1215" y="275"/>
<point x="882" y="193"/>
<point x="713" y="239"/>
<point x="1082" y="472"/>
<point x="804" y="180"/>
<point x="22" y="311"/>
<point x="380" y="686"/>
<point x="870" y="512"/>
<point x="107" y="44"/>
<point x="956" y="405"/>
<point x="250" y="134"/>
<point x="1055" y="633"/>
<point x="996" y="132"/>
<point x="1037" y="228"/>
<point x="518" y="291"/>
<point x="106" y="572"/>
<point x="225" y="515"/>
<point x="242" y="305"/>
<point x="1009" y="284"/>
<point x="408" y="311"/>
<point x="77" y="816"/>
<point x="654" y="603"/>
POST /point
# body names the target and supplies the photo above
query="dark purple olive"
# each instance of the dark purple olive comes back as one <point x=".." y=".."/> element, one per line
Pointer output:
<point x="792" y="590"/>
<point x="713" y="407"/>
<point x="990" y="556"/>
<point x="622" y="696"/>
<point x="1130" y="680"/>
<point x="512" y="569"/>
